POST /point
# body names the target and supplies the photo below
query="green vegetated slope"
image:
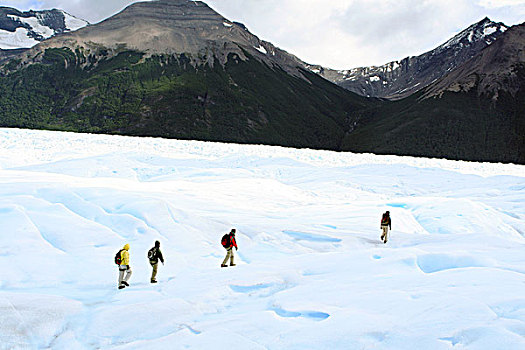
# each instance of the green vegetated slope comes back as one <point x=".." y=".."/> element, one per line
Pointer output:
<point x="456" y="125"/>
<point x="243" y="101"/>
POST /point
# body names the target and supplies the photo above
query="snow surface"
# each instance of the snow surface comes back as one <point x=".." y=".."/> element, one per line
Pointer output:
<point x="261" y="49"/>
<point x="35" y="24"/>
<point x="375" y="78"/>
<point x="16" y="40"/>
<point x="226" y="24"/>
<point x="73" y="23"/>
<point x="21" y="39"/>
<point x="489" y="30"/>
<point x="311" y="273"/>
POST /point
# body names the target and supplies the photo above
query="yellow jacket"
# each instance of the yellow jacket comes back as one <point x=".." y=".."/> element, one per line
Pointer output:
<point x="125" y="255"/>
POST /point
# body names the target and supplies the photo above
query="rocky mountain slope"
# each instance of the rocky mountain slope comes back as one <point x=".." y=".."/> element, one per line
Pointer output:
<point x="25" y="29"/>
<point x="173" y="27"/>
<point x="399" y="79"/>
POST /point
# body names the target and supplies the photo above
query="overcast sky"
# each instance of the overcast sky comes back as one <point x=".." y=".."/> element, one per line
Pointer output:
<point x="339" y="34"/>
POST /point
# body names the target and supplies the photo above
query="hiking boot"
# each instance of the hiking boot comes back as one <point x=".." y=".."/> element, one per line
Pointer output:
<point x="153" y="281"/>
<point x="125" y="283"/>
<point x="222" y="265"/>
<point x="233" y="265"/>
<point x="121" y="287"/>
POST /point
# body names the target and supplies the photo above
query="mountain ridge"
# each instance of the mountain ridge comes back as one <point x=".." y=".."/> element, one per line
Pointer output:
<point x="398" y="79"/>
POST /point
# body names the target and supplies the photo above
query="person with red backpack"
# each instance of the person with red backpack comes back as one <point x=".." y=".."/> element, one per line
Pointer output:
<point x="228" y="242"/>
<point x="386" y="223"/>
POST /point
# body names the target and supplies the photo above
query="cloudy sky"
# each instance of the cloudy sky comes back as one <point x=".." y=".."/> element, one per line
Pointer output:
<point x="340" y="34"/>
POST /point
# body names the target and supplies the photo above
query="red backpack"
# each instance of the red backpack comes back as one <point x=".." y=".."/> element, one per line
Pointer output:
<point x="384" y="219"/>
<point x="225" y="241"/>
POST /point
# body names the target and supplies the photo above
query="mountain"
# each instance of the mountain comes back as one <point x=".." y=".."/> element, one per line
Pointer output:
<point x="399" y="79"/>
<point x="174" y="27"/>
<point x="476" y="112"/>
<point x="177" y="69"/>
<point x="25" y="29"/>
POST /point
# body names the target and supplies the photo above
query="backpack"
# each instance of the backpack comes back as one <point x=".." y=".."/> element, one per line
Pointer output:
<point x="118" y="257"/>
<point x="152" y="253"/>
<point x="384" y="219"/>
<point x="225" y="241"/>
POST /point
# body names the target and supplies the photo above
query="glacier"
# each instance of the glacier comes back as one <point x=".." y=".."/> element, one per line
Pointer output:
<point x="311" y="270"/>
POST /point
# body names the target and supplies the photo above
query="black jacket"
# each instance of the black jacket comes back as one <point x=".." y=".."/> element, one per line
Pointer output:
<point x="157" y="255"/>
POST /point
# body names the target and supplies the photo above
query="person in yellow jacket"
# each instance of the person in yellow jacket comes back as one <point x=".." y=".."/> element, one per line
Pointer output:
<point x="124" y="268"/>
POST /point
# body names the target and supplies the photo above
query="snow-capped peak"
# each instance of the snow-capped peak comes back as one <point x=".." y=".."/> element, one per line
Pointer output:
<point x="483" y="30"/>
<point x="26" y="29"/>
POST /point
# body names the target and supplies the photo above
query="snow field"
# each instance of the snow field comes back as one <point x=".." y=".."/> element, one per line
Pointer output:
<point x="311" y="274"/>
<point x="16" y="40"/>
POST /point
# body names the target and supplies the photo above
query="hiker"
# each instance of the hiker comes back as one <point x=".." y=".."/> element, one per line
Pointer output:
<point x="154" y="255"/>
<point x="124" y="268"/>
<point x="386" y="223"/>
<point x="228" y="242"/>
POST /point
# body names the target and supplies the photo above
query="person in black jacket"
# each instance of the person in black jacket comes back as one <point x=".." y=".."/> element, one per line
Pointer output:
<point x="154" y="255"/>
<point x="386" y="223"/>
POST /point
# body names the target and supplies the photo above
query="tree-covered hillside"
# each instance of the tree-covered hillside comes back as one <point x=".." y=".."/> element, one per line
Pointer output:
<point x="455" y="125"/>
<point x="169" y="96"/>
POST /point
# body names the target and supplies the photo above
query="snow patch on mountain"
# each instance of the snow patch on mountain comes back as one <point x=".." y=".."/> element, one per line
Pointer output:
<point x="19" y="39"/>
<point x="35" y="24"/>
<point x="476" y="32"/>
<point x="261" y="49"/>
<point x="73" y="23"/>
<point x="26" y="29"/>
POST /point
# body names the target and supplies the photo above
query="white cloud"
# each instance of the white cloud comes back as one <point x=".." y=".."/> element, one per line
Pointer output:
<point x="500" y="3"/>
<point x="350" y="33"/>
<point x="340" y="34"/>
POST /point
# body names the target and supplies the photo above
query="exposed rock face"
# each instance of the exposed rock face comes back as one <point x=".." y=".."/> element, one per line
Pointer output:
<point x="399" y="79"/>
<point x="26" y="29"/>
<point x="175" y="27"/>
<point x="492" y="71"/>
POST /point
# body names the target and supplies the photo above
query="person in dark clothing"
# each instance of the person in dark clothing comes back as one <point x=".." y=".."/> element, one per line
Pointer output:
<point x="154" y="255"/>
<point x="386" y="223"/>
<point x="229" y="248"/>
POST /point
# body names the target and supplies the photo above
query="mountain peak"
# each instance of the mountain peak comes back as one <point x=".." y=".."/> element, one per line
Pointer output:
<point x="25" y="29"/>
<point x="495" y="69"/>
<point x="485" y="29"/>
<point x="172" y="27"/>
